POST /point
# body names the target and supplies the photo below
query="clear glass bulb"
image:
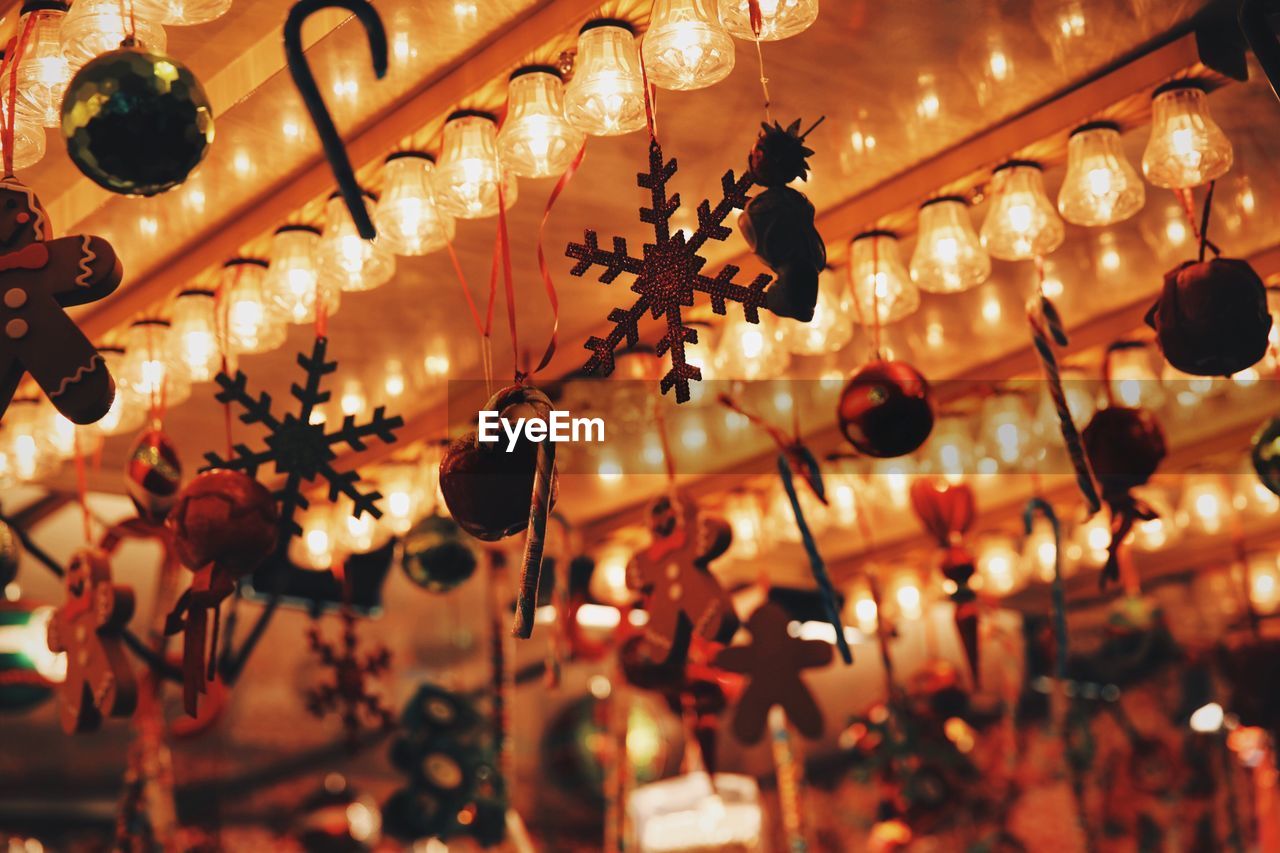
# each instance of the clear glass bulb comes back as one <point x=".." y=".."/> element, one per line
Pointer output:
<point x="25" y="441"/>
<point x="536" y="141"/>
<point x="28" y="137"/>
<point x="749" y="351"/>
<point x="1021" y="221"/>
<point x="1100" y="186"/>
<point x="1187" y="148"/>
<point x="469" y="174"/>
<point x="685" y="47"/>
<point x="832" y="324"/>
<point x="345" y="260"/>
<point x="780" y="19"/>
<point x="62" y="433"/>
<point x="43" y="73"/>
<point x="1134" y="381"/>
<point x="193" y="334"/>
<point x="949" y="257"/>
<point x="94" y="27"/>
<point x="606" y="95"/>
<point x="1000" y="566"/>
<point x="254" y="323"/>
<point x="881" y="285"/>
<point x="184" y="13"/>
<point x="950" y="449"/>
<point x="126" y="413"/>
<point x="407" y="217"/>
<point x="405" y="498"/>
<point x="154" y="378"/>
<point x="292" y="276"/>
<point x="1007" y="433"/>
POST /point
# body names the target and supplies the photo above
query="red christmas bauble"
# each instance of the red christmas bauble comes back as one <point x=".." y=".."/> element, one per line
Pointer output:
<point x="1125" y="446"/>
<point x="885" y="410"/>
<point x="224" y="517"/>
<point x="153" y="475"/>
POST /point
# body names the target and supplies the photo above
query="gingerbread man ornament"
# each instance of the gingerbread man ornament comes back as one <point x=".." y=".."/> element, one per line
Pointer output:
<point x="772" y="664"/>
<point x="39" y="278"/>
<point x="672" y="575"/>
<point x="88" y="627"/>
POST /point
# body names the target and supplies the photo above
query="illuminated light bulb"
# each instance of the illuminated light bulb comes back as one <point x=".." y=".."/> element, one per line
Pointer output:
<point x="1134" y="381"/>
<point x="393" y="383"/>
<point x="1040" y="553"/>
<point x="469" y="175"/>
<point x="193" y="334"/>
<point x="402" y="485"/>
<point x="948" y="257"/>
<point x="356" y="534"/>
<point x="292" y="275"/>
<point x="1007" y="434"/>
<point x="609" y="581"/>
<point x="253" y="321"/>
<point x="150" y="372"/>
<point x="1021" y="221"/>
<point x="685" y="47"/>
<point x="125" y="414"/>
<point x="904" y="591"/>
<point x="1264" y="583"/>
<point x="1100" y="187"/>
<point x="62" y="433"/>
<point x="842" y="495"/>
<point x="742" y="510"/>
<point x="346" y="261"/>
<point x="606" y="95"/>
<point x="24" y="439"/>
<point x="536" y="141"/>
<point x="750" y="351"/>
<point x="779" y="19"/>
<point x="1093" y="538"/>
<point x="184" y="13"/>
<point x="436" y="364"/>
<point x="881" y="284"/>
<point x="1187" y="390"/>
<point x="860" y="608"/>
<point x="892" y="477"/>
<point x="316" y="547"/>
<point x="929" y="105"/>
<point x="353" y="402"/>
<point x="950" y="449"/>
<point x="609" y="471"/>
<point x="28" y="138"/>
<point x="1207" y="718"/>
<point x="832" y="325"/>
<point x="407" y="217"/>
<point x="94" y="27"/>
<point x="1000" y="566"/>
<point x="1205" y="505"/>
<point x="43" y="72"/>
<point x="1186" y="148"/>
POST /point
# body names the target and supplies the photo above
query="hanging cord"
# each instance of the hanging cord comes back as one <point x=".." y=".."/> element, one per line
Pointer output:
<point x="12" y="61"/>
<point x="548" y="283"/>
<point x="756" y="16"/>
<point x="128" y="24"/>
<point x="82" y="490"/>
<point x="222" y="329"/>
<point x="1199" y="224"/>
<point x="650" y="103"/>
<point x="484" y="328"/>
<point x="1204" y="222"/>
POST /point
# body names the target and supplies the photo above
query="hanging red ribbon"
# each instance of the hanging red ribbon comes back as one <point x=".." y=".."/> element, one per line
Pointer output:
<point x="12" y="59"/>
<point x="548" y="284"/>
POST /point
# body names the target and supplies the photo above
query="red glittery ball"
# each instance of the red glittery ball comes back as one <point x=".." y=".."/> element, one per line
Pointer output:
<point x="153" y="475"/>
<point x="1125" y="446"/>
<point x="885" y="411"/>
<point x="224" y="517"/>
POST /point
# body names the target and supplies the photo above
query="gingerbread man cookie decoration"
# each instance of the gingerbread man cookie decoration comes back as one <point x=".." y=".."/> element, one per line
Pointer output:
<point x="672" y="574"/>
<point x="772" y="663"/>
<point x="39" y="278"/>
<point x="88" y="627"/>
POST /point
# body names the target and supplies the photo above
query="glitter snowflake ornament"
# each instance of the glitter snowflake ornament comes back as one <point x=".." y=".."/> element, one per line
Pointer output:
<point x="302" y="450"/>
<point x="668" y="275"/>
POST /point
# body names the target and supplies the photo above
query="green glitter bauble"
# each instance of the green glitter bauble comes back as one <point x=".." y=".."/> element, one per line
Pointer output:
<point x="136" y="122"/>
<point x="437" y="556"/>
<point x="1266" y="454"/>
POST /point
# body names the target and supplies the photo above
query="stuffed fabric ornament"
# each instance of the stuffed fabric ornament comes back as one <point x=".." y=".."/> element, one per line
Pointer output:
<point x="778" y="223"/>
<point x="1211" y="318"/>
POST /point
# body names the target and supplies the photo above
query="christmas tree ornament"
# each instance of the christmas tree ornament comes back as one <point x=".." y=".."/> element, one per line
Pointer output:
<point x="1266" y="455"/>
<point x="1100" y="187"/>
<point x="10" y="554"/>
<point x="778" y="222"/>
<point x="948" y="257"/>
<point x="753" y="20"/>
<point x="193" y="334"/>
<point x="1211" y="318"/>
<point x="293" y="275"/>
<point x="349" y="690"/>
<point x="345" y="260"/>
<point x="605" y="96"/>
<point x="668" y="275"/>
<point x="883" y="292"/>
<point x="946" y="512"/>
<point x="407" y="216"/>
<point x="1021" y="222"/>
<point x="436" y="556"/>
<point x="88" y="627"/>
<point x="42" y="72"/>
<point x="334" y="149"/>
<point x="469" y="180"/>
<point x="772" y="663"/>
<point x="153" y="475"/>
<point x="224" y="525"/>
<point x="885" y="409"/>
<point x="685" y="47"/>
<point x="39" y="278"/>
<point x="136" y="122"/>
<point x="674" y="576"/>
<point x="536" y="140"/>
<point x="253" y="320"/>
<point x="95" y="27"/>
<point x="1187" y="148"/>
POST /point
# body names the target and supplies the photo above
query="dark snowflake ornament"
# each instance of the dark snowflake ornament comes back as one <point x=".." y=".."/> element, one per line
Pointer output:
<point x="668" y="275"/>
<point x="348" y="692"/>
<point x="302" y="450"/>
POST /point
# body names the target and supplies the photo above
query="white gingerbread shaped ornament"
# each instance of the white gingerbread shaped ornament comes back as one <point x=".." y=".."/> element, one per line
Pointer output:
<point x="39" y="278"/>
<point x="88" y="627"/>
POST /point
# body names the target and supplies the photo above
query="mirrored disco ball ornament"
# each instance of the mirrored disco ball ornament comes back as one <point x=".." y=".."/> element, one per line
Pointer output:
<point x="136" y="122"/>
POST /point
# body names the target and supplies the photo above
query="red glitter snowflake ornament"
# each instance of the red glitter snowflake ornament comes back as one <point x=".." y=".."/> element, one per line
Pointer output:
<point x="668" y="275"/>
<point x="348" y="691"/>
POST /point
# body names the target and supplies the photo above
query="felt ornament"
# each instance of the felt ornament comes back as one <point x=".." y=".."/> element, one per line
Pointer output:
<point x="946" y="512"/>
<point x="348" y="691"/>
<point x="153" y="475"/>
<point x="136" y="122"/>
<point x="493" y="493"/>
<point x="1211" y="318"/>
<point x="224" y="525"/>
<point x="778" y="223"/>
<point x="885" y="409"/>
<point x="673" y="575"/>
<point x="39" y="278"/>
<point x="772" y="663"/>
<point x="89" y="627"/>
<point x="668" y="274"/>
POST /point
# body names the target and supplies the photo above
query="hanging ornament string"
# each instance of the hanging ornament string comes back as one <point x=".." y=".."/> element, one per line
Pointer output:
<point x="650" y="103"/>
<point x="128" y="24"/>
<point x="484" y="328"/>
<point x="548" y="284"/>
<point x="756" y="16"/>
<point x="222" y="328"/>
<point x="1047" y="333"/>
<point x="12" y="61"/>
<point x="82" y="489"/>
<point x="1199" y="224"/>
<point x="157" y="391"/>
